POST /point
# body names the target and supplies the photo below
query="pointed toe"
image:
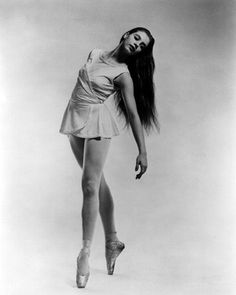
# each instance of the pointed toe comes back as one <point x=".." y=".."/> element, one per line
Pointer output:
<point x="113" y="250"/>
<point x="81" y="280"/>
<point x="82" y="276"/>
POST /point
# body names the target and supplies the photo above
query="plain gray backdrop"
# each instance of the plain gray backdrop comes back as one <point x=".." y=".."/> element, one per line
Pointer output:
<point x="178" y="221"/>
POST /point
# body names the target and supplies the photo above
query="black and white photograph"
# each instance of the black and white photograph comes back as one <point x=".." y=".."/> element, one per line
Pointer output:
<point x="118" y="140"/>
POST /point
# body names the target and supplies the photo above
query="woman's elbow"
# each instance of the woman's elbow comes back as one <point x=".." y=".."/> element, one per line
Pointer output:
<point x="133" y="116"/>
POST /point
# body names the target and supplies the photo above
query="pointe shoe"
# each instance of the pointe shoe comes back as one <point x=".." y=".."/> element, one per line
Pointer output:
<point x="113" y="250"/>
<point x="81" y="278"/>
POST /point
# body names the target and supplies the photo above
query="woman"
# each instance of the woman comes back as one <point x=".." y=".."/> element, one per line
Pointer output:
<point x="125" y="76"/>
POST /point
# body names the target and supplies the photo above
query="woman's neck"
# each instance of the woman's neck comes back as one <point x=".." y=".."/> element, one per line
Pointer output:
<point x="116" y="55"/>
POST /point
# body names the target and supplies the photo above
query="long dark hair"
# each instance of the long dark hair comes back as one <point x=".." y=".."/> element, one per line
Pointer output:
<point x="141" y="67"/>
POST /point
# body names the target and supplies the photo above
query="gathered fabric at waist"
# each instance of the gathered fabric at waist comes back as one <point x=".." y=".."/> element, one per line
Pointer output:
<point x="81" y="97"/>
<point x="83" y="101"/>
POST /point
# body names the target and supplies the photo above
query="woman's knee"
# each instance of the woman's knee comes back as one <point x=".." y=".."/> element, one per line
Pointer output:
<point x="90" y="187"/>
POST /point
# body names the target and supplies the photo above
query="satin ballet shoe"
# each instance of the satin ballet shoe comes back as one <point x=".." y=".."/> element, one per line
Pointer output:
<point x="81" y="279"/>
<point x="113" y="250"/>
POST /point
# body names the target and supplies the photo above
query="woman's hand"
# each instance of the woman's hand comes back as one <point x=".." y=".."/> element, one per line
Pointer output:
<point x="141" y="161"/>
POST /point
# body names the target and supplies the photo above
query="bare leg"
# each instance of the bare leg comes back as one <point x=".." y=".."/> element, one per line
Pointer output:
<point x="106" y="209"/>
<point x="95" y="152"/>
<point x="106" y="205"/>
<point x="91" y="155"/>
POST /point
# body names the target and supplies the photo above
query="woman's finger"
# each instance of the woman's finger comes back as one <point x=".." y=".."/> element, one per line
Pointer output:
<point x="143" y="170"/>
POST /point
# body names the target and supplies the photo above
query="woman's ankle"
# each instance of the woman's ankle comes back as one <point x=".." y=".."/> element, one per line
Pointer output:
<point x="112" y="236"/>
<point x="86" y="244"/>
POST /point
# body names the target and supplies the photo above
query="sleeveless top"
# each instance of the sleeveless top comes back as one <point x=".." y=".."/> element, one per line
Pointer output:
<point x="91" y="110"/>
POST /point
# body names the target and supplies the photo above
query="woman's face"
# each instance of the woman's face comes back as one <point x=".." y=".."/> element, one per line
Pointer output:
<point x="135" y="43"/>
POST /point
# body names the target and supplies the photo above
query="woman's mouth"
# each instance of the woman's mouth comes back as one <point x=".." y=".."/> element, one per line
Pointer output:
<point x="131" y="47"/>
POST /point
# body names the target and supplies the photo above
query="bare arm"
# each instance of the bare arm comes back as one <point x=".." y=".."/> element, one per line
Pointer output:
<point x="125" y="82"/>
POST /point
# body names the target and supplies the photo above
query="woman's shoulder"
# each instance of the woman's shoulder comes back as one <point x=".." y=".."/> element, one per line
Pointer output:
<point x="95" y="51"/>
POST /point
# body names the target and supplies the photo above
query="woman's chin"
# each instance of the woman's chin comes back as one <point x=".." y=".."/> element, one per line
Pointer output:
<point x="129" y="52"/>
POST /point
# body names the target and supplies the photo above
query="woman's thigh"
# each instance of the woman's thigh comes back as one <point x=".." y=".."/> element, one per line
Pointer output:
<point x="95" y="153"/>
<point x="77" y="146"/>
